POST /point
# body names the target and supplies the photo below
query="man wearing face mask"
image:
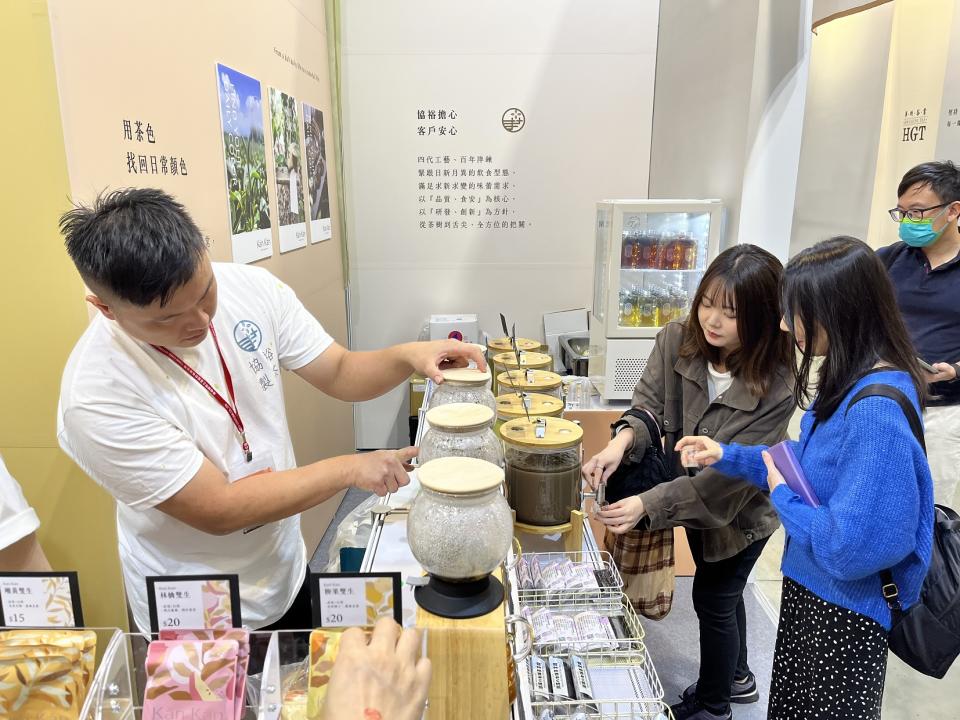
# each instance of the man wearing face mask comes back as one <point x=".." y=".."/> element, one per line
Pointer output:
<point x="925" y="269"/>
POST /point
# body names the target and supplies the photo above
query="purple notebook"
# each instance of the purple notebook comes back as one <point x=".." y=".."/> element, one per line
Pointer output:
<point x="789" y="467"/>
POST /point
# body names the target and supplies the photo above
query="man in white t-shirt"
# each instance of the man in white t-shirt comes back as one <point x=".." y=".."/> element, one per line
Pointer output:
<point x="19" y="549"/>
<point x="172" y="401"/>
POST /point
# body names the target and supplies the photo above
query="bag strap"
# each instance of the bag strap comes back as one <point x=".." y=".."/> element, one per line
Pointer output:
<point x="646" y="417"/>
<point x="891" y="593"/>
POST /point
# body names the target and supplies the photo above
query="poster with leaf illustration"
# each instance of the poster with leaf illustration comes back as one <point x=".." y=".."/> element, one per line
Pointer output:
<point x="288" y="170"/>
<point x="245" y="160"/>
<point x="318" y="193"/>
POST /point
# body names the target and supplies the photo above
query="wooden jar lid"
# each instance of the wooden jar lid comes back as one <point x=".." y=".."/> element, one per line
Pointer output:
<point x="460" y="416"/>
<point x="503" y="345"/>
<point x="527" y="360"/>
<point x="510" y="405"/>
<point x="466" y="376"/>
<point x="542" y="380"/>
<point x="557" y="435"/>
<point x="459" y="475"/>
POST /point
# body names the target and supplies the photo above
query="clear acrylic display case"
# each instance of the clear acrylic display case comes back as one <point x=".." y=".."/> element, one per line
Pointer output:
<point x="650" y="257"/>
<point x="277" y="679"/>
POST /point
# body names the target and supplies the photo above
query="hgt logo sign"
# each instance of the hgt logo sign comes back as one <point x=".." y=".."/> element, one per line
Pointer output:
<point x="914" y="125"/>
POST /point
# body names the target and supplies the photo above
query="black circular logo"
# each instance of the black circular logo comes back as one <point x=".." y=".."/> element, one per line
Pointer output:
<point x="513" y="120"/>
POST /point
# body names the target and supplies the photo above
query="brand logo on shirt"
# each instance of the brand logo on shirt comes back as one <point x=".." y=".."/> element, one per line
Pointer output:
<point x="248" y="335"/>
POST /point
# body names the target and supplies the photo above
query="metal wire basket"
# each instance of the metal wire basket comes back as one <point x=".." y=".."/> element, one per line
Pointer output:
<point x="609" y="581"/>
<point x="626" y="650"/>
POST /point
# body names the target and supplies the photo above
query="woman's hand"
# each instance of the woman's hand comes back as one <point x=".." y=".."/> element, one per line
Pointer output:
<point x="602" y="465"/>
<point x="698" y="450"/>
<point x="622" y="515"/>
<point x="774" y="478"/>
<point x="383" y="680"/>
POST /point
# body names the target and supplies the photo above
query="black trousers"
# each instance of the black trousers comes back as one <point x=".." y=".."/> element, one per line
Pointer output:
<point x="718" y="600"/>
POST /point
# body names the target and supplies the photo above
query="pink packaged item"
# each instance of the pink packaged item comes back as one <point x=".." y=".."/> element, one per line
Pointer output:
<point x="188" y="678"/>
<point x="242" y="638"/>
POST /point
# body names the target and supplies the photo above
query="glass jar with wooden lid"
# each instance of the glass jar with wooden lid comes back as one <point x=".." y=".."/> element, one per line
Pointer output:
<point x="510" y="406"/>
<point x="531" y="381"/>
<point x="543" y="456"/>
<point x="528" y="361"/>
<point x="463" y="385"/>
<point x="460" y="430"/>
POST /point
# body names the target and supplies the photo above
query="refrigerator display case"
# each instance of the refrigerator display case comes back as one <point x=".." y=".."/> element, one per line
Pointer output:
<point x="650" y="257"/>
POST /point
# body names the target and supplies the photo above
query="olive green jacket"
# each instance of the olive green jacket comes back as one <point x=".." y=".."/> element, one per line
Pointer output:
<point x="733" y="513"/>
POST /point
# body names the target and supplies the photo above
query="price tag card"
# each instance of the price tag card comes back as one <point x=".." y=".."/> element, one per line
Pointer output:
<point x="354" y="599"/>
<point x="194" y="602"/>
<point x="40" y="599"/>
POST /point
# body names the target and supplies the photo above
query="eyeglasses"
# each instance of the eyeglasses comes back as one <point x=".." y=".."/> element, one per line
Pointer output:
<point x="899" y="215"/>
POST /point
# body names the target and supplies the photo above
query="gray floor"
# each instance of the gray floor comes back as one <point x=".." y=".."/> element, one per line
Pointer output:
<point x="674" y="646"/>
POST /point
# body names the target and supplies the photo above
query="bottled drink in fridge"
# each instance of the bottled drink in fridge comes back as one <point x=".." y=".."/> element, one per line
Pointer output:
<point x="649" y="315"/>
<point x="689" y="260"/>
<point x="649" y="250"/>
<point x="627" y="255"/>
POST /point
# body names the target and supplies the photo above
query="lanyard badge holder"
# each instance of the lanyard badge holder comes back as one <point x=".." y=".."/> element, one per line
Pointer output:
<point x="229" y="407"/>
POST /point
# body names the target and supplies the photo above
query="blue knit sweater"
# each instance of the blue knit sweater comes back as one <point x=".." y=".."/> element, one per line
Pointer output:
<point x="876" y="502"/>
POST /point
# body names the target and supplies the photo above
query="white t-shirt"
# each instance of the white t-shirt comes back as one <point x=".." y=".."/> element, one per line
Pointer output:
<point x="717" y="382"/>
<point x="17" y="518"/>
<point x="140" y="426"/>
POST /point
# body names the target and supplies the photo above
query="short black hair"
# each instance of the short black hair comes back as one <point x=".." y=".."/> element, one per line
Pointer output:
<point x="942" y="177"/>
<point x="138" y="243"/>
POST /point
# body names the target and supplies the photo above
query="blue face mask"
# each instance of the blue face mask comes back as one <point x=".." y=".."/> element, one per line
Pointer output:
<point x="920" y="233"/>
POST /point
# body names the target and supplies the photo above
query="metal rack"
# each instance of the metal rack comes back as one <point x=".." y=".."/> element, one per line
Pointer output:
<point x="601" y="562"/>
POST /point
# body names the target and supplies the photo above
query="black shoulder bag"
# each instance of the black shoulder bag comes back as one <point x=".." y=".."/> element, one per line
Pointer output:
<point x="927" y="636"/>
<point x="637" y="477"/>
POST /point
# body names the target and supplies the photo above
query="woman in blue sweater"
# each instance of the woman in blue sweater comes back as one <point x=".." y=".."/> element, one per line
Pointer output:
<point x="867" y="470"/>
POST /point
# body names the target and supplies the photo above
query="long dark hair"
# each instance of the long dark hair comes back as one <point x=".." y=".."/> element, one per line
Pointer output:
<point x="745" y="278"/>
<point x="840" y="288"/>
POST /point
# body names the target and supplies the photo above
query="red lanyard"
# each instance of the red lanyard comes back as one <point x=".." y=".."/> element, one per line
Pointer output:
<point x="230" y="407"/>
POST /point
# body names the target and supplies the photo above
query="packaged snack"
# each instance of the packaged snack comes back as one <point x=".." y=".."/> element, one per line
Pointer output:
<point x="242" y="638"/>
<point x="566" y="630"/>
<point x="560" y="679"/>
<point x="582" y="687"/>
<point x="191" y="678"/>
<point x="596" y="634"/>
<point x="39" y="687"/>
<point x="582" y="577"/>
<point x="544" y="630"/>
<point x="536" y="574"/>
<point x="539" y="679"/>
<point x="83" y="640"/>
<point x="523" y="575"/>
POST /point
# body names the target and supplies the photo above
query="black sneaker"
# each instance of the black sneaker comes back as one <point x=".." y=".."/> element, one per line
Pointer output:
<point x="743" y="691"/>
<point x="690" y="709"/>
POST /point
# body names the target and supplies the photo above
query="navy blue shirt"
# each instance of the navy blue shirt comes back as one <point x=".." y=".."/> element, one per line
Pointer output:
<point x="930" y="302"/>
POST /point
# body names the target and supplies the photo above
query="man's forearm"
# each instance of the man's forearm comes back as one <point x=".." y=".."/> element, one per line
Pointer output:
<point x="214" y="505"/>
<point x="369" y="374"/>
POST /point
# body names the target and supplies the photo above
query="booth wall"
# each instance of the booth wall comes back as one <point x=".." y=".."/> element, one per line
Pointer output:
<point x="42" y="317"/>
<point x="841" y="130"/>
<point x="583" y="75"/>
<point x="156" y="63"/>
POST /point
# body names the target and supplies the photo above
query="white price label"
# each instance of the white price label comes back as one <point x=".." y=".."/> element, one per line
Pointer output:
<point x="37" y="602"/>
<point x="343" y="602"/>
<point x="179" y="604"/>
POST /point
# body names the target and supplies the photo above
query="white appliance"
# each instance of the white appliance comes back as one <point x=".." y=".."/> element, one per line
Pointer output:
<point x="457" y="327"/>
<point x="650" y="257"/>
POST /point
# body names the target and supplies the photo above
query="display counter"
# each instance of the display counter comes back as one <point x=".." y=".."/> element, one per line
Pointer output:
<point x="472" y="669"/>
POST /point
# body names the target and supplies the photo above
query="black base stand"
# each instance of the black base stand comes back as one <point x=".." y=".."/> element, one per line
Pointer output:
<point x="460" y="600"/>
